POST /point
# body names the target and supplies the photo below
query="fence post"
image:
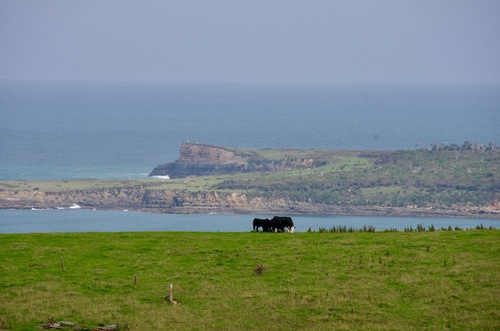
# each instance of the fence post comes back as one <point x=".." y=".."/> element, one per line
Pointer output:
<point x="62" y="262"/>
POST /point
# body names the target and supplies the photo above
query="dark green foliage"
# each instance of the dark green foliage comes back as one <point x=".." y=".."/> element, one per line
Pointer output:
<point x="345" y="229"/>
<point x="371" y="228"/>
<point x="421" y="178"/>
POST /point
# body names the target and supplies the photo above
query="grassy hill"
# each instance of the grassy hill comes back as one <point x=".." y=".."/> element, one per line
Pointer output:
<point x="401" y="178"/>
<point x="446" y="280"/>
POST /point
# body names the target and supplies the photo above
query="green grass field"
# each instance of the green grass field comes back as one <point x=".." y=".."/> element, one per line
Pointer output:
<point x="441" y="280"/>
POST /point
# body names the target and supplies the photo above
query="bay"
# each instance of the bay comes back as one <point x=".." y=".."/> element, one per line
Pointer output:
<point x="85" y="220"/>
<point x="96" y="130"/>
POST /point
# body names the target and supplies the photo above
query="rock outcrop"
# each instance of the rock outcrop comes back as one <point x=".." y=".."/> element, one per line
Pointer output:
<point x="152" y="200"/>
<point x="199" y="159"/>
<point x="202" y="160"/>
<point x="204" y="202"/>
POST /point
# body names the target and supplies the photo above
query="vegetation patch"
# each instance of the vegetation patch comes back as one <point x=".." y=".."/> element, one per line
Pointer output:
<point x="448" y="181"/>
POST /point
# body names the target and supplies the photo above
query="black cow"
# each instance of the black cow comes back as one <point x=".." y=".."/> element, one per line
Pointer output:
<point x="279" y="223"/>
<point x="264" y="223"/>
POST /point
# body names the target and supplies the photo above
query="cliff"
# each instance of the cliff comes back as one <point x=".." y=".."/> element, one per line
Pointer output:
<point x="203" y="160"/>
<point x="147" y="199"/>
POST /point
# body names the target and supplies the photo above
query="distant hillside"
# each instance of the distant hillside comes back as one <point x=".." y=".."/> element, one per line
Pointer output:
<point x="451" y="181"/>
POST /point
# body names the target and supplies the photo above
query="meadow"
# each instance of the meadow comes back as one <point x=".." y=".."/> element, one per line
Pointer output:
<point x="420" y="280"/>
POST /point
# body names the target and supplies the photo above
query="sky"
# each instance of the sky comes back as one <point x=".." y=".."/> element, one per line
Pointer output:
<point x="268" y="41"/>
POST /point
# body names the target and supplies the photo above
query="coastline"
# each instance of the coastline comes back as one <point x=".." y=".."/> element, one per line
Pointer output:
<point x="458" y="182"/>
<point x="271" y="207"/>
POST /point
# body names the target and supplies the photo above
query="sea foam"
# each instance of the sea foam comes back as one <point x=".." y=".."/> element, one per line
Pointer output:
<point x="161" y="177"/>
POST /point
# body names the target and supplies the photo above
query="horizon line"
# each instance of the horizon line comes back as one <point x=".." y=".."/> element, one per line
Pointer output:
<point x="215" y="82"/>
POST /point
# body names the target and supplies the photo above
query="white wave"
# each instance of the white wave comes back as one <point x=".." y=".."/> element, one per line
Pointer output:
<point x="74" y="206"/>
<point x="161" y="177"/>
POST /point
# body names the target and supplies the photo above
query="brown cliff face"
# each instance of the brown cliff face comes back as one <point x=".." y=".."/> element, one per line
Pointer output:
<point x="200" y="160"/>
<point x="203" y="202"/>
<point x="140" y="198"/>
<point x="199" y="153"/>
<point x="101" y="199"/>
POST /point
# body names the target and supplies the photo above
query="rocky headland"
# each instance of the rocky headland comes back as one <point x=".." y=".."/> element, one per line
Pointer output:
<point x="203" y="160"/>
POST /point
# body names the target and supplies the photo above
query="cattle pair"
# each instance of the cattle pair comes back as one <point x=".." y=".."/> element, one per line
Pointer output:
<point x="275" y="224"/>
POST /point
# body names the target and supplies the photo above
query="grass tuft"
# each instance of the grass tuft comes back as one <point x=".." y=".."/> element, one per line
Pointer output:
<point x="259" y="269"/>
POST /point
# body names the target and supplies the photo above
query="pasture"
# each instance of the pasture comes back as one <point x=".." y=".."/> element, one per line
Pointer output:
<point x="446" y="280"/>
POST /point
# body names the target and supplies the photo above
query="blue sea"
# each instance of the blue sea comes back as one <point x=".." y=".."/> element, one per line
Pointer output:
<point x="70" y="130"/>
<point x="110" y="130"/>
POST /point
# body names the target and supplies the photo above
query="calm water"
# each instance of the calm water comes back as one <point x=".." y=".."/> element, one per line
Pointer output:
<point x="57" y="130"/>
<point x="82" y="220"/>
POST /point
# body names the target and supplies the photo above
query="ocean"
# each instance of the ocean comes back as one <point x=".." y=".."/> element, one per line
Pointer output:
<point x="83" y="130"/>
<point x="110" y="130"/>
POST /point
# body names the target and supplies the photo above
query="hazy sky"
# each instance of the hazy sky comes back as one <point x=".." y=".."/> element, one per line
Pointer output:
<point x="251" y="40"/>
